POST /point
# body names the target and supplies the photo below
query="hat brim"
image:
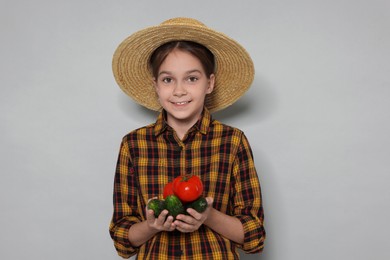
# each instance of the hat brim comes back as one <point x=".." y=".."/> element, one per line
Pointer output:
<point x="234" y="67"/>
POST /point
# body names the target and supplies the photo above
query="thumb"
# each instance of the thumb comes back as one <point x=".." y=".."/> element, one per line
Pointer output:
<point x="210" y="201"/>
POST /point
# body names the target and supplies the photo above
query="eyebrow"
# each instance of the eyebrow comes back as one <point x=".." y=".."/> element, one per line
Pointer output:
<point x="188" y="72"/>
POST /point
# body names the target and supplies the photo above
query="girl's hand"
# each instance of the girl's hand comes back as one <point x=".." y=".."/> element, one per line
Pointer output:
<point x="162" y="223"/>
<point x="185" y="223"/>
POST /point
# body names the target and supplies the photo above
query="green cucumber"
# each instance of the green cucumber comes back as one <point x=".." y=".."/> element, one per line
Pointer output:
<point x="200" y="205"/>
<point x="157" y="206"/>
<point x="174" y="205"/>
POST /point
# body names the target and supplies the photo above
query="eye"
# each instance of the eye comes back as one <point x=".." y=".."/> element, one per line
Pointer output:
<point x="167" y="80"/>
<point x="192" y="79"/>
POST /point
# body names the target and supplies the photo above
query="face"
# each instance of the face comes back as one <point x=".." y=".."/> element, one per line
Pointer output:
<point x="182" y="86"/>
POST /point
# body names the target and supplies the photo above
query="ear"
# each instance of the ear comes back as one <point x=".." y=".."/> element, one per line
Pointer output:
<point x="154" y="83"/>
<point x="210" y="87"/>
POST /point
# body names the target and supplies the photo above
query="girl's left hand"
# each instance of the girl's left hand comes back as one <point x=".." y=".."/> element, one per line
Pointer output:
<point x="192" y="222"/>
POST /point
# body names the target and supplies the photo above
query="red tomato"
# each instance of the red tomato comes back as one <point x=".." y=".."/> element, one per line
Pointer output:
<point x="188" y="188"/>
<point x="168" y="190"/>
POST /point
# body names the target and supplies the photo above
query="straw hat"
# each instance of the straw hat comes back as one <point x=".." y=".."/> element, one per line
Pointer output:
<point x="234" y="67"/>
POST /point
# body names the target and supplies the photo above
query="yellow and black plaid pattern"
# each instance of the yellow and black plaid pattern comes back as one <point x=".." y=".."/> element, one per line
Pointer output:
<point x="220" y="155"/>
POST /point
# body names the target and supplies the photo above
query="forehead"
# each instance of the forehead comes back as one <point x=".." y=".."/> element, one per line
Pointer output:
<point x="178" y="60"/>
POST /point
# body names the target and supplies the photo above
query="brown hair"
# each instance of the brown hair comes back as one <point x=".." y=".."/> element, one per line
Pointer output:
<point x="204" y="55"/>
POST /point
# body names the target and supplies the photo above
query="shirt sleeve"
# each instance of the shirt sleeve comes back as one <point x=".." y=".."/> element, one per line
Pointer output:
<point x="125" y="203"/>
<point x="247" y="199"/>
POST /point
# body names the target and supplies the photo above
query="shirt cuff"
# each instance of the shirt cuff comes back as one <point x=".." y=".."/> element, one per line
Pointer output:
<point x="121" y="239"/>
<point x="254" y="234"/>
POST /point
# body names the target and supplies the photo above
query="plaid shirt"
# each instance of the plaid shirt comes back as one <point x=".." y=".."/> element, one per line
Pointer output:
<point x="220" y="155"/>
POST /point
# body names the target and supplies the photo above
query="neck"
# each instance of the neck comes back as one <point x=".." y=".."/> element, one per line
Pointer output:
<point x="181" y="127"/>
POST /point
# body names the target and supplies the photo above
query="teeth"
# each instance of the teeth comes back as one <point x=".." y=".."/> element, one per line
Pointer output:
<point x="181" y="103"/>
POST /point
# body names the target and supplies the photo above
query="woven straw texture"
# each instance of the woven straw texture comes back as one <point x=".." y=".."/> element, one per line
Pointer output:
<point x="234" y="67"/>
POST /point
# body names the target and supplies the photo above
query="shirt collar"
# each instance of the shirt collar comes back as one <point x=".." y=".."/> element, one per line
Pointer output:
<point x="202" y="125"/>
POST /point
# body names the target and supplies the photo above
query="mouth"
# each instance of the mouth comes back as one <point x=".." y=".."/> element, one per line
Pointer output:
<point x="181" y="103"/>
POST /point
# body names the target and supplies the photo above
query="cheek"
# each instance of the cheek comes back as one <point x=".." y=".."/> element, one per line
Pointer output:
<point x="161" y="93"/>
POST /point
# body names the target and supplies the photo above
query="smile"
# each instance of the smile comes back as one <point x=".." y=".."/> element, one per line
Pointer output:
<point x="181" y="103"/>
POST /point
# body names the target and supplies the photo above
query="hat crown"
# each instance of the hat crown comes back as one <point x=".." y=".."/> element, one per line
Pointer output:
<point x="183" y="21"/>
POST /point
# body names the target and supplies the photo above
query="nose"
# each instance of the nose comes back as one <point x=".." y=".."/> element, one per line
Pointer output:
<point x="179" y="90"/>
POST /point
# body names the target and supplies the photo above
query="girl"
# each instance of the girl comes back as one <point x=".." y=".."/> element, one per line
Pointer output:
<point x="186" y="71"/>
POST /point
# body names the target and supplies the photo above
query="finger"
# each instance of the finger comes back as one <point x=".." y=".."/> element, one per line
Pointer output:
<point x="186" y="228"/>
<point x="195" y="214"/>
<point x="182" y="227"/>
<point x="172" y="227"/>
<point x="168" y="224"/>
<point x="150" y="215"/>
<point x="182" y="230"/>
<point x="186" y="219"/>
<point x="210" y="201"/>
<point x="161" y="218"/>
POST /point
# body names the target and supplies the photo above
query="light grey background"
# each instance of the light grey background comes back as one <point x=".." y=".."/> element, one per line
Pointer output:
<point x="317" y="118"/>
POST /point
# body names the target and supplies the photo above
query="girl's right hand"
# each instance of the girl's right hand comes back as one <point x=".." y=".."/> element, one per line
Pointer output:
<point x="162" y="223"/>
